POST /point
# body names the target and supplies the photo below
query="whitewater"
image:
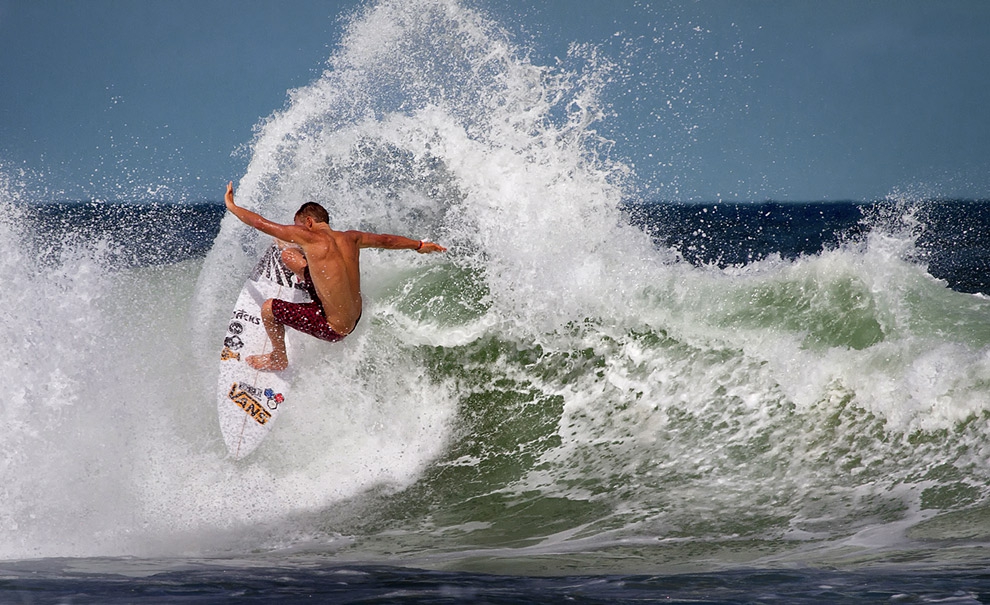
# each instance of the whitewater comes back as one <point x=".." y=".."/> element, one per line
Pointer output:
<point x="556" y="394"/>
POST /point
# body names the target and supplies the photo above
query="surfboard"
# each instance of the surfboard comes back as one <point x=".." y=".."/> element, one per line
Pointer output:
<point x="249" y="400"/>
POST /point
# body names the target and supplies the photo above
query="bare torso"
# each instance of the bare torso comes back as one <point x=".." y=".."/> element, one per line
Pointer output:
<point x="333" y="261"/>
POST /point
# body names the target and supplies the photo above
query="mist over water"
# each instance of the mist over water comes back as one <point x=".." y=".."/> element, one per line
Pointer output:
<point x="556" y="383"/>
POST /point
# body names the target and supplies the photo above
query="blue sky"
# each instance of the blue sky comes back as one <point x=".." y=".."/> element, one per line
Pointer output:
<point x="724" y="99"/>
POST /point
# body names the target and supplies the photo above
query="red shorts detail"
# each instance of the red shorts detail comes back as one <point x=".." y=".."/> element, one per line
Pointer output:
<point x="305" y="317"/>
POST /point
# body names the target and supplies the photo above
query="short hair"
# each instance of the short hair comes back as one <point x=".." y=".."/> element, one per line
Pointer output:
<point x="315" y="211"/>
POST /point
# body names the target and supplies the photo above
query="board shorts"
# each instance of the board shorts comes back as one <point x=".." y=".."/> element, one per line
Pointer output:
<point x="308" y="318"/>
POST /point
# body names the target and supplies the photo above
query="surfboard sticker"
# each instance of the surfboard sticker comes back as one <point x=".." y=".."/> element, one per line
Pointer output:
<point x="248" y="400"/>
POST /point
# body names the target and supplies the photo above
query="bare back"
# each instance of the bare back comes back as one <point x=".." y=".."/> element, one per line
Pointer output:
<point x="333" y="261"/>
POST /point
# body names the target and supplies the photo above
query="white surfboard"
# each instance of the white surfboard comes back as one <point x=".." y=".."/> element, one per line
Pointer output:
<point x="248" y="400"/>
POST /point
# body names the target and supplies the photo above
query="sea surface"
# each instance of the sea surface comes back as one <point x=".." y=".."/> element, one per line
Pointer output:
<point x="597" y="395"/>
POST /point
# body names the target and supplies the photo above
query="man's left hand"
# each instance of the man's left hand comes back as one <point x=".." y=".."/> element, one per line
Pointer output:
<point x="428" y="247"/>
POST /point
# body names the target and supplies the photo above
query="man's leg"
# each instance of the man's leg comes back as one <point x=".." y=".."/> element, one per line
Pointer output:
<point x="278" y="359"/>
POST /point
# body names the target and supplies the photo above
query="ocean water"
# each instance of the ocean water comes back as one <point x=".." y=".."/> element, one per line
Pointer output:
<point x="594" y="396"/>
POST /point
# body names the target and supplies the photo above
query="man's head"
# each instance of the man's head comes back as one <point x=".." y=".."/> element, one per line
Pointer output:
<point x="314" y="211"/>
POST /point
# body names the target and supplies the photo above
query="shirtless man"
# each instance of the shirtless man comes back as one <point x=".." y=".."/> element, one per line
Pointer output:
<point x="329" y="261"/>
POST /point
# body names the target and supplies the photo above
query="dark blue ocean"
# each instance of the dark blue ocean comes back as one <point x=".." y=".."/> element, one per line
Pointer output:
<point x="597" y="395"/>
<point x="232" y="582"/>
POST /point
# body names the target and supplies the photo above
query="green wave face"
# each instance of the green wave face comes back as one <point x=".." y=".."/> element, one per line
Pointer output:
<point x="796" y="405"/>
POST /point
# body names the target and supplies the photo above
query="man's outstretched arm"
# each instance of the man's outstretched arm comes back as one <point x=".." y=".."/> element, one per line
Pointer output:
<point x="287" y="233"/>
<point x="396" y="242"/>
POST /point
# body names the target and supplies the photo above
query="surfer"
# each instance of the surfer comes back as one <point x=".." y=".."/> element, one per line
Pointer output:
<point x="328" y="261"/>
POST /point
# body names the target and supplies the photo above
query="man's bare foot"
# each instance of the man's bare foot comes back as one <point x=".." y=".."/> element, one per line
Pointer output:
<point x="267" y="363"/>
